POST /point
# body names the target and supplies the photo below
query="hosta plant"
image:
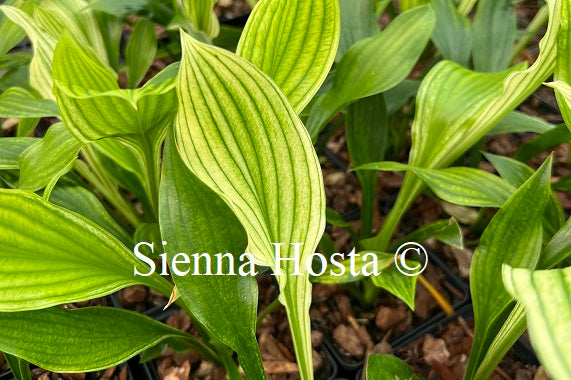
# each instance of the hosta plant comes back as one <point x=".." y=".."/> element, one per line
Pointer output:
<point x="213" y="151"/>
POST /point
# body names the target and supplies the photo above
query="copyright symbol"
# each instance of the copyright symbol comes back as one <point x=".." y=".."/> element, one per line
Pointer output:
<point x="401" y="254"/>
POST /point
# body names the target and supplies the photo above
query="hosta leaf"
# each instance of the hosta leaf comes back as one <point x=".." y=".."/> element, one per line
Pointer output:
<point x="516" y="122"/>
<point x="458" y="185"/>
<point x="558" y="249"/>
<point x="44" y="45"/>
<point x="446" y="231"/>
<point x="294" y="42"/>
<point x="10" y="150"/>
<point x="92" y="105"/>
<point x="10" y="31"/>
<point x="19" y="102"/>
<point x="83" y="340"/>
<point x="51" y="256"/>
<point x="238" y="134"/>
<point x="194" y="219"/>
<point x="562" y="75"/>
<point x="546" y="296"/>
<point x="383" y="366"/>
<point x="367" y="131"/>
<point x="508" y="334"/>
<point x="82" y="201"/>
<point x="494" y="35"/>
<point x="201" y="16"/>
<point x="390" y="279"/>
<point x="457" y="107"/>
<point x="516" y="173"/>
<point x="397" y="284"/>
<point x="140" y="52"/>
<point x="48" y="159"/>
<point x="513" y="237"/>
<point x="118" y="7"/>
<point x="374" y="65"/>
<point x="19" y="367"/>
<point x="452" y="33"/>
<point x="358" y="21"/>
<point x="550" y="139"/>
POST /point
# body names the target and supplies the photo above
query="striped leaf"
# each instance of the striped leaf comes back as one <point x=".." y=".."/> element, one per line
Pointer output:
<point x="48" y="159"/>
<point x="10" y="150"/>
<point x="86" y="339"/>
<point x="458" y="185"/>
<point x="52" y="256"/>
<point x="546" y="296"/>
<point x="21" y="103"/>
<point x="516" y="228"/>
<point x="93" y="107"/>
<point x="294" y="42"/>
<point x="239" y="135"/>
<point x="201" y="16"/>
<point x="374" y="65"/>
<point x="456" y="107"/>
<point x="44" y="45"/>
<point x="10" y="31"/>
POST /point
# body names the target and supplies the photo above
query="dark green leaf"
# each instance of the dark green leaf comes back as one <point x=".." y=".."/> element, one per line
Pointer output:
<point x="11" y="148"/>
<point x="84" y="340"/>
<point x="194" y="219"/>
<point x="516" y="228"/>
<point x="374" y="65"/>
<point x="452" y="33"/>
<point x="388" y="367"/>
<point x="19" y="367"/>
<point x="494" y="35"/>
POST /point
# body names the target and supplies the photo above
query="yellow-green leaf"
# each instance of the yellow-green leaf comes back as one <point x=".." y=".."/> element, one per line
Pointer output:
<point x="239" y="135"/>
<point x="294" y="42"/>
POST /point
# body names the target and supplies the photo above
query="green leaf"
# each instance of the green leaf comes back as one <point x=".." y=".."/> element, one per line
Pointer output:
<point x="140" y="52"/>
<point x="548" y="140"/>
<point x="458" y="185"/>
<point x="44" y="45"/>
<point x="517" y="122"/>
<point x="358" y="21"/>
<point x="238" y="134"/>
<point x="374" y="65"/>
<point x="516" y="173"/>
<point x="494" y="35"/>
<point x="452" y="33"/>
<point x="48" y="159"/>
<point x="562" y="75"/>
<point x="52" y="256"/>
<point x="515" y="228"/>
<point x="118" y="7"/>
<point x="82" y="201"/>
<point x="84" y="340"/>
<point x="388" y="367"/>
<point x="456" y="107"/>
<point x="201" y="16"/>
<point x="294" y="42"/>
<point x="11" y="148"/>
<point x="19" y="367"/>
<point x="194" y="219"/>
<point x="511" y="330"/>
<point x="446" y="231"/>
<point x="558" y="249"/>
<point x="93" y="107"/>
<point x="397" y="284"/>
<point x="367" y="132"/>
<point x="10" y="31"/>
<point x="546" y="296"/>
